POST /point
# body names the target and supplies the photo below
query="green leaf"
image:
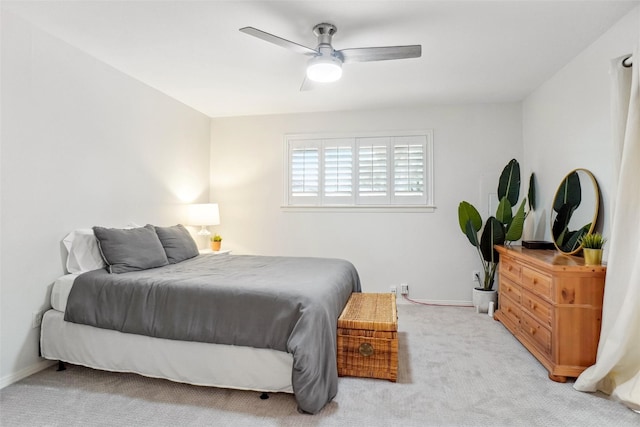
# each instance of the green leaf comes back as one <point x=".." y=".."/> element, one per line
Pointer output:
<point x="532" y="192"/>
<point x="514" y="232"/>
<point x="493" y="234"/>
<point x="579" y="234"/>
<point x="466" y="212"/>
<point x="569" y="192"/>
<point x="503" y="213"/>
<point x="509" y="184"/>
<point x="573" y="240"/>
<point x="472" y="234"/>
<point x="561" y="223"/>
<point x="592" y="241"/>
<point x="560" y="239"/>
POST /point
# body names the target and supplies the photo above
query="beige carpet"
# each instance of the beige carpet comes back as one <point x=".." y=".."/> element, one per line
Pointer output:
<point x="457" y="368"/>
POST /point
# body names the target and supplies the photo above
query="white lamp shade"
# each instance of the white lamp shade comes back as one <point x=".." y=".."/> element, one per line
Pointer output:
<point x="203" y="214"/>
<point x="324" y="69"/>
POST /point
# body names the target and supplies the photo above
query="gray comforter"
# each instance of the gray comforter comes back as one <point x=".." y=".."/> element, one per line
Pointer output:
<point x="281" y="303"/>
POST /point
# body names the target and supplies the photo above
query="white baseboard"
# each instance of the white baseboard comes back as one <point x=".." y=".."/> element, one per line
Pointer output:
<point x="443" y="303"/>
<point x="25" y="372"/>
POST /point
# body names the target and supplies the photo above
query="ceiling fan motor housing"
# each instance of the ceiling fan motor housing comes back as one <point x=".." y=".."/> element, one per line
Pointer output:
<point x="324" y="32"/>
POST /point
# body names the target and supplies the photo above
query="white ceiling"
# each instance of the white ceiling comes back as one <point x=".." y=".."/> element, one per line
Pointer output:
<point x="472" y="51"/>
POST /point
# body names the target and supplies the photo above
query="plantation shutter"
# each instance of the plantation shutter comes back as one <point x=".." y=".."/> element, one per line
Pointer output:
<point x="373" y="171"/>
<point x="304" y="172"/>
<point x="338" y="171"/>
<point x="409" y="170"/>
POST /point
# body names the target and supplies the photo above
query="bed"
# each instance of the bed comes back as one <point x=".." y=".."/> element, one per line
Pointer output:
<point x="233" y="321"/>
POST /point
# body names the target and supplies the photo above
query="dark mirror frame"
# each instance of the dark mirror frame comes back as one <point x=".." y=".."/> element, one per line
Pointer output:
<point x="567" y="199"/>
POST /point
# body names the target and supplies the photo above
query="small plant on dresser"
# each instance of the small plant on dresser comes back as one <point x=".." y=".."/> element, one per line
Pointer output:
<point x="592" y="248"/>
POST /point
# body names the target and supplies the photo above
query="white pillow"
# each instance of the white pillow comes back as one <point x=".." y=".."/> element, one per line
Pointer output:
<point x="84" y="254"/>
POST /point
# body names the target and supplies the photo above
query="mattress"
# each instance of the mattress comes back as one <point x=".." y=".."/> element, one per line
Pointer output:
<point x="205" y="364"/>
<point x="60" y="291"/>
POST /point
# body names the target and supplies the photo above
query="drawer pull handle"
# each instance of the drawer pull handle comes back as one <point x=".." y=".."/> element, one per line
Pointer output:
<point x="365" y="349"/>
<point x="533" y="305"/>
<point x="532" y="331"/>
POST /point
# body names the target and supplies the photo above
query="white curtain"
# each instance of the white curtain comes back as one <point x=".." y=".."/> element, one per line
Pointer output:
<point x="617" y="368"/>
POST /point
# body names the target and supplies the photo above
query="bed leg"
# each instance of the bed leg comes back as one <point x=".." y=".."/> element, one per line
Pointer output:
<point x="264" y="396"/>
<point x="61" y="366"/>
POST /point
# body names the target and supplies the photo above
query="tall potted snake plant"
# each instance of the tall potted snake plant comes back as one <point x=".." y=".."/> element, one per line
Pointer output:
<point x="500" y="229"/>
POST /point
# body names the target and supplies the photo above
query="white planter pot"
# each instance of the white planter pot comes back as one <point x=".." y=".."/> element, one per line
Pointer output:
<point x="481" y="300"/>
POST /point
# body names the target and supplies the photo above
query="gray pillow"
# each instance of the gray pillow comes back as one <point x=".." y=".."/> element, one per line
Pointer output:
<point x="130" y="249"/>
<point x="177" y="243"/>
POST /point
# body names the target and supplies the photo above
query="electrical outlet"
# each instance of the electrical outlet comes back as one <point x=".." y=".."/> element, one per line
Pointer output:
<point x="36" y="319"/>
<point x="394" y="289"/>
<point x="475" y="276"/>
<point x="404" y="289"/>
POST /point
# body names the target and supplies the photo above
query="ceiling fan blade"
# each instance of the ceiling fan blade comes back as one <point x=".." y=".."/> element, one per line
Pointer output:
<point x="279" y="41"/>
<point x="366" y="54"/>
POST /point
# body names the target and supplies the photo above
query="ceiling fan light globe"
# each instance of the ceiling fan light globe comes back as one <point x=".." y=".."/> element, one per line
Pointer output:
<point x="324" y="70"/>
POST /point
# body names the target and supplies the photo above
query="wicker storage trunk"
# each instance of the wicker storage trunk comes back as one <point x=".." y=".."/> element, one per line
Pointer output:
<point x="368" y="337"/>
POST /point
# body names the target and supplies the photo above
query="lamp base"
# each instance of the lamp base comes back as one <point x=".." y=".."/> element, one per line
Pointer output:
<point x="204" y="232"/>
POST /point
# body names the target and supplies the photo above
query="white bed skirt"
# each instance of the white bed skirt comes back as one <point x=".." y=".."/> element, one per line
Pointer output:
<point x="216" y="365"/>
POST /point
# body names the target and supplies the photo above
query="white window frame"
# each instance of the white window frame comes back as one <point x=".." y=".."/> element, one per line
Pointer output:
<point x="357" y="202"/>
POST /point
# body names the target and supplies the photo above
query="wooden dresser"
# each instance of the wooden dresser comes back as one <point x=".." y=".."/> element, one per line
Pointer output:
<point x="552" y="303"/>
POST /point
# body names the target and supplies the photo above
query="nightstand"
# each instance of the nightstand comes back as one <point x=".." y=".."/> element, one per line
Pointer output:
<point x="209" y="251"/>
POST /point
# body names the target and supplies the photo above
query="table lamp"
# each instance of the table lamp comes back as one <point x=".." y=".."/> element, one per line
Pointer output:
<point x="203" y="214"/>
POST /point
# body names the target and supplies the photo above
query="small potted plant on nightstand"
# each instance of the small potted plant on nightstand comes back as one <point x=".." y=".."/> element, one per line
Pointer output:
<point x="592" y="248"/>
<point x="216" y="242"/>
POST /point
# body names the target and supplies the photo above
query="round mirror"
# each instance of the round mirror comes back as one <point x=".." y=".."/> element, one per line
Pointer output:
<point x="575" y="210"/>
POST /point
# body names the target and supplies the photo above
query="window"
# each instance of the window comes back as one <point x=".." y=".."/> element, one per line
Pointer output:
<point x="371" y="170"/>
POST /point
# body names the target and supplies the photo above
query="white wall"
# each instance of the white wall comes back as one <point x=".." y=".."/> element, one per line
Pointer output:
<point x="82" y="145"/>
<point x="426" y="250"/>
<point x="567" y="122"/>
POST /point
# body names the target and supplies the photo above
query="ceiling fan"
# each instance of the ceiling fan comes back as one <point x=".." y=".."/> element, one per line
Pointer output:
<point x="325" y="64"/>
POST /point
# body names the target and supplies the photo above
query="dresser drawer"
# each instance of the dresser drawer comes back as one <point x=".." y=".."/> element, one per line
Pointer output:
<point x="511" y="310"/>
<point x="510" y="289"/>
<point x="536" y="282"/>
<point x="536" y="332"/>
<point x="538" y="308"/>
<point x="510" y="268"/>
